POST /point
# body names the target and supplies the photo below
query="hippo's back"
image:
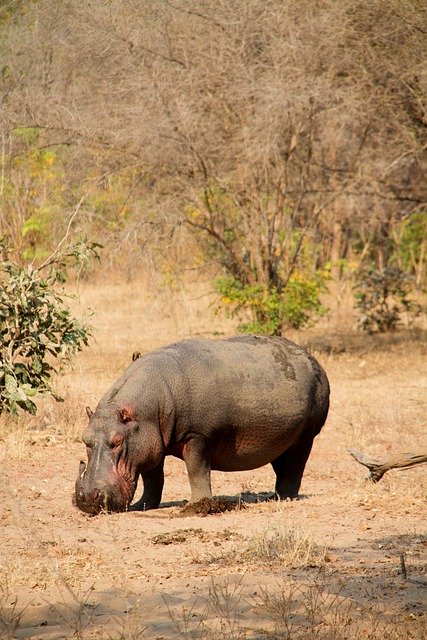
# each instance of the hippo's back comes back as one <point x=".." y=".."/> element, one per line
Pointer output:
<point x="253" y="396"/>
<point x="248" y="376"/>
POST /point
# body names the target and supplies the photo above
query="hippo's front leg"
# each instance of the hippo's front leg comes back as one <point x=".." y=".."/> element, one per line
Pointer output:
<point x="196" y="455"/>
<point x="153" y="487"/>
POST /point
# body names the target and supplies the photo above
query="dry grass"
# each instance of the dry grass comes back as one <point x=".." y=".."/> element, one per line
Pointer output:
<point x="277" y="547"/>
<point x="286" y="547"/>
<point x="10" y="612"/>
<point x="290" y="611"/>
<point x="313" y="611"/>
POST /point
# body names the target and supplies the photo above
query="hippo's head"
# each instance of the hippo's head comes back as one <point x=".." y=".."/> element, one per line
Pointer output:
<point x="117" y="450"/>
<point x="108" y="480"/>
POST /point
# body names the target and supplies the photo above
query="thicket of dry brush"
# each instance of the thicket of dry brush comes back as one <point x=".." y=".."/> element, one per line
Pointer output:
<point x="260" y="117"/>
<point x="289" y="137"/>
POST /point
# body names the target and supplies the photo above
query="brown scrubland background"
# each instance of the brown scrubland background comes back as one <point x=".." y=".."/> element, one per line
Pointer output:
<point x="268" y="142"/>
<point x="247" y="123"/>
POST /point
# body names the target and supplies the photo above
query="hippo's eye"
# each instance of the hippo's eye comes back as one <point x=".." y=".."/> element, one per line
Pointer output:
<point x="116" y="441"/>
<point x="126" y="415"/>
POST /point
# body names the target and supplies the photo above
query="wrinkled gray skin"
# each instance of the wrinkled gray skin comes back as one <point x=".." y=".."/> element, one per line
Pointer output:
<point x="228" y="405"/>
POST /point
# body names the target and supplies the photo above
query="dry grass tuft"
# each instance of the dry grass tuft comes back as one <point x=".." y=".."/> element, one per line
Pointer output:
<point x="303" y="612"/>
<point x="10" y="612"/>
<point x="75" y="611"/>
<point x="288" y="547"/>
<point x="216" y="617"/>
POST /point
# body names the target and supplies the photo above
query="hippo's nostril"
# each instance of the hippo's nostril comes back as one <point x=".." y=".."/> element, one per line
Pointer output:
<point x="95" y="494"/>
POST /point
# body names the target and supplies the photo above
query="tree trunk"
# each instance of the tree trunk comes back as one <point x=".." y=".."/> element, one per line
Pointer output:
<point x="336" y="250"/>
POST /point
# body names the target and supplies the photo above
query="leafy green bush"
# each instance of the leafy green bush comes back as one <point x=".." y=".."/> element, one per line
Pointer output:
<point x="296" y="306"/>
<point x="382" y="296"/>
<point x="36" y="327"/>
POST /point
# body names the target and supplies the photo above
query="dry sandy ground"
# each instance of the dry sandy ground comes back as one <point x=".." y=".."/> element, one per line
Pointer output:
<point x="325" y="566"/>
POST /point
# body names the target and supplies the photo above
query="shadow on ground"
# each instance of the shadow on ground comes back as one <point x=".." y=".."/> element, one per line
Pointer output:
<point x="217" y="504"/>
<point x="293" y="600"/>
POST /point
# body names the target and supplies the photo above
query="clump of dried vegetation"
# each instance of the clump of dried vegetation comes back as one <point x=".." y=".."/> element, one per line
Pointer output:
<point x="278" y="547"/>
<point x="10" y="612"/>
<point x="289" y="547"/>
<point x="316" y="611"/>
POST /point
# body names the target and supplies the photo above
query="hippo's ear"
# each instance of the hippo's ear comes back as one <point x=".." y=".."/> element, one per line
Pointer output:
<point x="89" y="412"/>
<point x="126" y="415"/>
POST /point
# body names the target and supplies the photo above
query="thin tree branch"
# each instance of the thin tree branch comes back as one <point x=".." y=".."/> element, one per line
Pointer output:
<point x="54" y="256"/>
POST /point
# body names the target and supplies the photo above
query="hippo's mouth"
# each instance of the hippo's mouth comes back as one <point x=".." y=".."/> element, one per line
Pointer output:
<point x="94" y="508"/>
<point x="114" y="495"/>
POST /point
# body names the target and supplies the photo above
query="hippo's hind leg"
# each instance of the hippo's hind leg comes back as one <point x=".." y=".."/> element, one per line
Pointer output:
<point x="153" y="487"/>
<point x="289" y="467"/>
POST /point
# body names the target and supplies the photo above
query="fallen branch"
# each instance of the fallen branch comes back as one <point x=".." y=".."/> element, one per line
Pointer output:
<point x="377" y="469"/>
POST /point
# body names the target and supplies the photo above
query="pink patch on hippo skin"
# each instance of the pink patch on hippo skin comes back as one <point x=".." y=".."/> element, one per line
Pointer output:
<point x="120" y="477"/>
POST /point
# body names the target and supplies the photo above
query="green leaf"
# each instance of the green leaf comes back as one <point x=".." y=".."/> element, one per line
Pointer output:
<point x="29" y="390"/>
<point x="10" y="385"/>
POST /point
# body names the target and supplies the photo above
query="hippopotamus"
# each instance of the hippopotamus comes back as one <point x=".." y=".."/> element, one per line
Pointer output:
<point x="230" y="405"/>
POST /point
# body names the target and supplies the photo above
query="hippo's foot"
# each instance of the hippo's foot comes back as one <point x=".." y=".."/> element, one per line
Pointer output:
<point x="278" y="498"/>
<point x="144" y="505"/>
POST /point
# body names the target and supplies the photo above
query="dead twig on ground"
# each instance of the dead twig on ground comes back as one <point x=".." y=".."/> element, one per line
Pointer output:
<point x="377" y="469"/>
